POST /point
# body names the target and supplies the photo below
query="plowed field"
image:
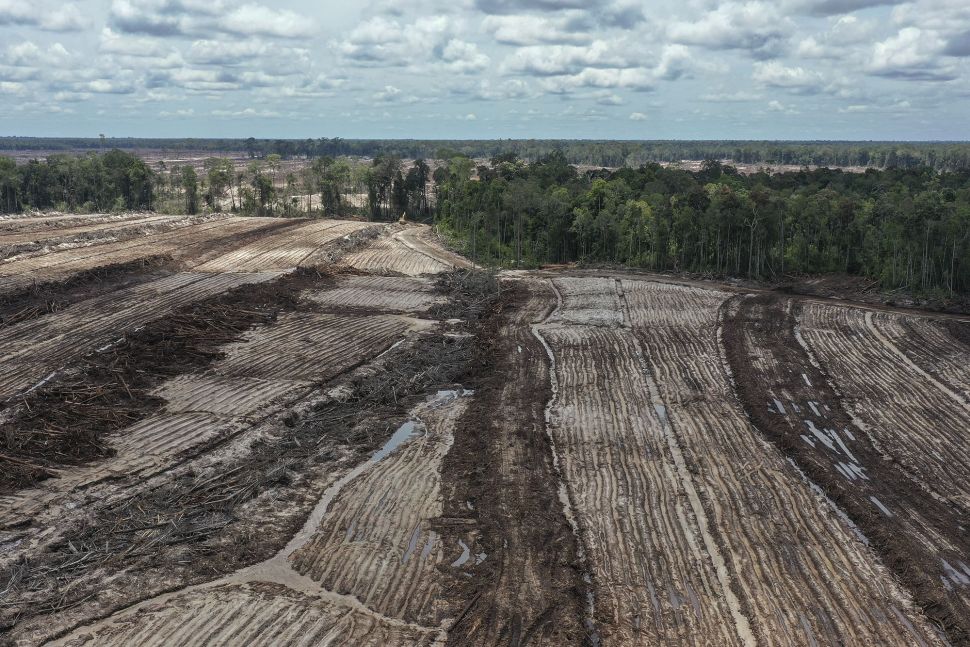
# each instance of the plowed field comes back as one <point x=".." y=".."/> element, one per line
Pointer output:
<point x="253" y="431"/>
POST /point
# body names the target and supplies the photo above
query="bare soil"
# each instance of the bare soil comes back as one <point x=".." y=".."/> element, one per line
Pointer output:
<point x="501" y="497"/>
<point x="189" y="522"/>
<point x="64" y="421"/>
<point x="395" y="448"/>
<point x="922" y="530"/>
<point x="53" y="296"/>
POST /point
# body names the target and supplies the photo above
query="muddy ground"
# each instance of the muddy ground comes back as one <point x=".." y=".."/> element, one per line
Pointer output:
<point x="791" y="400"/>
<point x="261" y="432"/>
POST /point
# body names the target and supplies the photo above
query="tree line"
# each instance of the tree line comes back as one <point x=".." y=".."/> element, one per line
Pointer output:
<point x="906" y="228"/>
<point x="114" y="181"/>
<point x="383" y="188"/>
<point x="951" y="156"/>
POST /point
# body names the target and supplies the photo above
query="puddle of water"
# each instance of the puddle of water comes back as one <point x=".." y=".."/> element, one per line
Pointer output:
<point x="447" y="396"/>
<point x="277" y="569"/>
<point x="412" y="544"/>
<point x="390" y="349"/>
<point x="567" y="507"/>
<point x="466" y="554"/>
<point x="429" y="545"/>
<point x="819" y="492"/>
<point x="845" y="472"/>
<point x="822" y="438"/>
<point x="881" y="507"/>
<point x="954" y="575"/>
<point x="42" y="382"/>
<point x="404" y="433"/>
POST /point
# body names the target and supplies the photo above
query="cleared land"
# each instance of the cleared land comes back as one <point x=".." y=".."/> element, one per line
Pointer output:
<point x="254" y="431"/>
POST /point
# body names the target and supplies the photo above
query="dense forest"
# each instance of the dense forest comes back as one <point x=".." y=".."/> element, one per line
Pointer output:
<point x="111" y="182"/>
<point x="906" y="228"/>
<point x="949" y="156"/>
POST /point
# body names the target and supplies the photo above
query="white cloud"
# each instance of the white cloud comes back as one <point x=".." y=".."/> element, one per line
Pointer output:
<point x="637" y="116"/>
<point x="381" y="41"/>
<point x="798" y="79"/>
<point x="610" y="78"/>
<point x="530" y="29"/>
<point x="258" y="20"/>
<point x="552" y="60"/>
<point x="12" y="87"/>
<point x="112" y="42"/>
<point x="246" y="113"/>
<point x="389" y="93"/>
<point x="61" y="17"/>
<point x="740" y="96"/>
<point x="27" y="54"/>
<point x="756" y="27"/>
<point x="778" y="106"/>
<point x="197" y="17"/>
<point x="835" y="7"/>
<point x="464" y="57"/>
<point x="495" y="59"/>
<point x="911" y="54"/>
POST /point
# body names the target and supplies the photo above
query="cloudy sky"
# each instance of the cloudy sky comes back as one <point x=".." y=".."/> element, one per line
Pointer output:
<point x="698" y="69"/>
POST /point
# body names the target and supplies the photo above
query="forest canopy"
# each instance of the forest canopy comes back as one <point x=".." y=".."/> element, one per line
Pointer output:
<point x="906" y="228"/>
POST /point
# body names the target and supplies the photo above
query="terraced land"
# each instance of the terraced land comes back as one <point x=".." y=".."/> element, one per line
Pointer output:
<point x="223" y="431"/>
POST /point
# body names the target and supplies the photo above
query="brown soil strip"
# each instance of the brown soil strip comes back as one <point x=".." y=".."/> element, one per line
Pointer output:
<point x="501" y="498"/>
<point x="49" y="297"/>
<point x="210" y="248"/>
<point x="771" y="367"/>
<point x="65" y="421"/>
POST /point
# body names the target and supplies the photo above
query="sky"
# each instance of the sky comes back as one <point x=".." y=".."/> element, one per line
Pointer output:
<point x="590" y="69"/>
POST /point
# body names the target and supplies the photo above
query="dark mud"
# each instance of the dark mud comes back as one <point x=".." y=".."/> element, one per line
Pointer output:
<point x="921" y="532"/>
<point x="959" y="330"/>
<point x="501" y="499"/>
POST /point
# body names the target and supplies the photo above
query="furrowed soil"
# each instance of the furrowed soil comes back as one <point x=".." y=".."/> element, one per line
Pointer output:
<point x="64" y="421"/>
<point x="790" y="399"/>
<point x="53" y="296"/>
<point x="222" y="431"/>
